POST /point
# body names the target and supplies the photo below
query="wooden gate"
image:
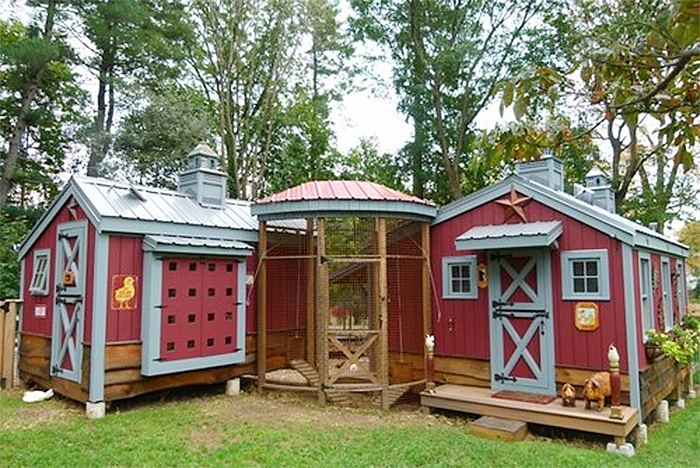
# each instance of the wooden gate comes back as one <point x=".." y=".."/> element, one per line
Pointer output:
<point x="522" y="339"/>
<point x="69" y="310"/>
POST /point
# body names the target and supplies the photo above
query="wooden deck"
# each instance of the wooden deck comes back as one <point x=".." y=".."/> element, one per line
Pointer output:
<point x="476" y="400"/>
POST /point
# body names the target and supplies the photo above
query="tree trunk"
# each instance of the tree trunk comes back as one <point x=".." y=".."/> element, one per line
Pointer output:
<point x="21" y="124"/>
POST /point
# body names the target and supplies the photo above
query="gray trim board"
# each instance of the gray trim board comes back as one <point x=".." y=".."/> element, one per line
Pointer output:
<point x="50" y="214"/>
<point x="22" y="269"/>
<point x="337" y="208"/>
<point x="99" y="318"/>
<point x="650" y="293"/>
<point x="666" y="293"/>
<point x="131" y="226"/>
<point x="151" y="315"/>
<point x="47" y="272"/>
<point x="631" y="328"/>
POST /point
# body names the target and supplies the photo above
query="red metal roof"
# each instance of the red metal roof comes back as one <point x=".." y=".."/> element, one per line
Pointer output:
<point x="340" y="190"/>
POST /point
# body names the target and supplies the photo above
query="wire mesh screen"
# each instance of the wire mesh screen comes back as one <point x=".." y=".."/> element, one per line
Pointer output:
<point x="350" y="236"/>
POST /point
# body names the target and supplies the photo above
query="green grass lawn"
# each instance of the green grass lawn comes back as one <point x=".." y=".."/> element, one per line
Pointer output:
<point x="204" y="428"/>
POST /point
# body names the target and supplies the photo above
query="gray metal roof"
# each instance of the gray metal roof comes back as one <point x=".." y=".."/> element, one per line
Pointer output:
<point x="119" y="207"/>
<point x="612" y="224"/>
<point x="537" y="234"/>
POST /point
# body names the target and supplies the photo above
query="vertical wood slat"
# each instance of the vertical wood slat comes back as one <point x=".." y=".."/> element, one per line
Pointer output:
<point x="7" y="349"/>
<point x="426" y="296"/>
<point x="262" y="307"/>
<point x="322" y="306"/>
<point x="310" y="289"/>
<point x="383" y="311"/>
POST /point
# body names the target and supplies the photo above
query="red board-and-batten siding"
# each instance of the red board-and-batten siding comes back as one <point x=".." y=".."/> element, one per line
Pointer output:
<point x="461" y="326"/>
<point x="125" y="258"/>
<point x="42" y="326"/>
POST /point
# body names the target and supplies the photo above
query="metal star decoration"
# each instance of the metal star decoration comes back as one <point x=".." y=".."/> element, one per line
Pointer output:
<point x="514" y="203"/>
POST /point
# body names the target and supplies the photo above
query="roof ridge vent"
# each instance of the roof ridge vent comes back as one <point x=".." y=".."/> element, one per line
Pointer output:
<point x="136" y="193"/>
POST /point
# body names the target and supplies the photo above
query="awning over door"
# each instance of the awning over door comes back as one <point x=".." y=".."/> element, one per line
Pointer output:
<point x="195" y="245"/>
<point x="508" y="236"/>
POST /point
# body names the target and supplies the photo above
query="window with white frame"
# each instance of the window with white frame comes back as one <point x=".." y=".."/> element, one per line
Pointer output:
<point x="666" y="293"/>
<point x="681" y="287"/>
<point x="645" y="298"/>
<point x="585" y="275"/>
<point x="39" y="285"/>
<point x="459" y="277"/>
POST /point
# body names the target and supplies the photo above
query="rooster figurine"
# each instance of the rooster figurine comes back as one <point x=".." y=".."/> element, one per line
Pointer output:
<point x="126" y="293"/>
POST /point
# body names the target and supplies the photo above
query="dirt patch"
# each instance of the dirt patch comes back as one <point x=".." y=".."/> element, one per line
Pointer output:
<point x="30" y="415"/>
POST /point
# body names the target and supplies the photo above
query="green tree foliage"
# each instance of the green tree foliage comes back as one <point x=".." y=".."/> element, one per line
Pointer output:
<point x="127" y="40"/>
<point x="449" y="57"/>
<point x="153" y="141"/>
<point x="690" y="236"/>
<point x="39" y="107"/>
<point x="364" y="162"/>
<point x="635" y="75"/>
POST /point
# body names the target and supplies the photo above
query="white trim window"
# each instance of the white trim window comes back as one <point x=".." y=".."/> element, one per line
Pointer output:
<point x="585" y="275"/>
<point x="666" y="293"/>
<point x="459" y="277"/>
<point x="645" y="297"/>
<point x="39" y="286"/>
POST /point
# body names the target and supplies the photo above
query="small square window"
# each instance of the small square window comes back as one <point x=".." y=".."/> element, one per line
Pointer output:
<point x="210" y="341"/>
<point x="191" y="318"/>
<point x="193" y="266"/>
<point x="39" y="285"/>
<point x="172" y="266"/>
<point x="212" y="267"/>
<point x="211" y="292"/>
<point x="584" y="275"/>
<point x="227" y="340"/>
<point x="229" y="291"/>
<point x="229" y="267"/>
<point x="192" y="292"/>
<point x="228" y="316"/>
<point x="170" y="346"/>
<point x="210" y="317"/>
<point x="171" y="319"/>
<point x="190" y="344"/>
<point x="172" y="292"/>
<point x="459" y="277"/>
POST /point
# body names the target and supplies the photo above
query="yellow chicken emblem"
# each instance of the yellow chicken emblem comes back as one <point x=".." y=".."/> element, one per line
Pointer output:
<point x="124" y="292"/>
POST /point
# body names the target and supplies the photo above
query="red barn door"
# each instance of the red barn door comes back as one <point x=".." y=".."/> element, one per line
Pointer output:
<point x="522" y="342"/>
<point x="199" y="303"/>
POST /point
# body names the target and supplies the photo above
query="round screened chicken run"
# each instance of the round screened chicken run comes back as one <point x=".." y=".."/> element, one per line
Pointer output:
<point x="344" y="289"/>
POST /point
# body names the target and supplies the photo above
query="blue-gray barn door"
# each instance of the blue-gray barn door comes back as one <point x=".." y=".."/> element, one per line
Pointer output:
<point x="69" y="304"/>
<point x="521" y="331"/>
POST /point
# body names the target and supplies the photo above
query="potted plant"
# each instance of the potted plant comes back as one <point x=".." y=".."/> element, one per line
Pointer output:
<point x="682" y="344"/>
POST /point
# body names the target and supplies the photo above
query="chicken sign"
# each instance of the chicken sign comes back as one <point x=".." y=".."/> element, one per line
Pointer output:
<point x="124" y="292"/>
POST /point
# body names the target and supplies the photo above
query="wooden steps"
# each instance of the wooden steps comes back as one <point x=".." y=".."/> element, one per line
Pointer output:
<point x="307" y="370"/>
<point x="395" y="394"/>
<point x="338" y="397"/>
<point x="498" y="428"/>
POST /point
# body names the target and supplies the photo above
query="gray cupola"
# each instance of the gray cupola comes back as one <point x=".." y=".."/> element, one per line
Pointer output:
<point x="547" y="170"/>
<point x="596" y="178"/>
<point x="598" y="186"/>
<point x="203" y="181"/>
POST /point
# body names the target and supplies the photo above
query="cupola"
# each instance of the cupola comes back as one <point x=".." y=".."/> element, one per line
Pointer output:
<point x="203" y="180"/>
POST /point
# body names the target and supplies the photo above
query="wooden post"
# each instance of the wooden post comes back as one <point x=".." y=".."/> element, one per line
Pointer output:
<point x="262" y="306"/>
<point x="8" y="325"/>
<point x="614" y="360"/>
<point x="426" y="290"/>
<point x="322" y="306"/>
<point x="383" y="311"/>
<point x="310" y="290"/>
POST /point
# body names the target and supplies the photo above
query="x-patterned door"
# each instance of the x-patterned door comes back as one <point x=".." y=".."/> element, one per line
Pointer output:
<point x="69" y="310"/>
<point x="520" y="306"/>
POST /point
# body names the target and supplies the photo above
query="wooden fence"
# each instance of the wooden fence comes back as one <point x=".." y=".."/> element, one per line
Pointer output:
<point x="8" y="341"/>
